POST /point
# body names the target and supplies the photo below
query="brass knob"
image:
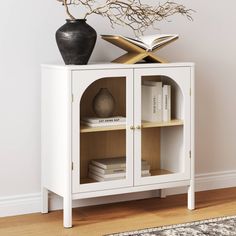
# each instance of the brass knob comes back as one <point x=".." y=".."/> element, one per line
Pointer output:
<point x="132" y="127"/>
<point x="138" y="127"/>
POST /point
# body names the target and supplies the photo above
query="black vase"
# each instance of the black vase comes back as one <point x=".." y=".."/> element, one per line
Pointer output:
<point x="76" y="40"/>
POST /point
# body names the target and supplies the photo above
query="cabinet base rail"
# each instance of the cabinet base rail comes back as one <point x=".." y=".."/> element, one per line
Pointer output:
<point x="67" y="200"/>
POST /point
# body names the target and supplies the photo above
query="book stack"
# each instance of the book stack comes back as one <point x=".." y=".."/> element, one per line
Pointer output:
<point x="145" y="169"/>
<point x="97" y="122"/>
<point x="107" y="169"/>
<point x="113" y="168"/>
<point x="156" y="101"/>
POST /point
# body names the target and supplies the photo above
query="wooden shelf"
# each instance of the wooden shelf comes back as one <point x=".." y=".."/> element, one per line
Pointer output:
<point x="87" y="181"/>
<point x="90" y="181"/>
<point x="87" y="129"/>
<point x="160" y="172"/>
<point x="153" y="173"/>
<point x="145" y="124"/>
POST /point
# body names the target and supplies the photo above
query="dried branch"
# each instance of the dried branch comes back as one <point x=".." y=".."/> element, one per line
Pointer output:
<point x="66" y="3"/>
<point x="131" y="13"/>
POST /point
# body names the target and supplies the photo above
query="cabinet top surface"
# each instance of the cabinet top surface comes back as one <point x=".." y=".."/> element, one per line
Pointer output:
<point x="100" y="65"/>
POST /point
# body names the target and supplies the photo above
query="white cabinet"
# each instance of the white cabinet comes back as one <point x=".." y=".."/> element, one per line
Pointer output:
<point x="69" y="146"/>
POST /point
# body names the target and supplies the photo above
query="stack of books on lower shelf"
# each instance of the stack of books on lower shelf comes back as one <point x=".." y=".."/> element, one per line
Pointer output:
<point x="101" y="122"/>
<point x="113" y="168"/>
<point x="107" y="169"/>
<point x="145" y="169"/>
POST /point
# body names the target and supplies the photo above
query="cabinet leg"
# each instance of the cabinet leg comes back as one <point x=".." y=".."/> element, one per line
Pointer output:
<point x="191" y="197"/>
<point x="67" y="212"/>
<point x="44" y="200"/>
<point x="162" y="193"/>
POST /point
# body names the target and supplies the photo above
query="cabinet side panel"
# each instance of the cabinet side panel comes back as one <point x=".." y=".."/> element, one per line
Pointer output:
<point x="56" y="130"/>
<point x="193" y="125"/>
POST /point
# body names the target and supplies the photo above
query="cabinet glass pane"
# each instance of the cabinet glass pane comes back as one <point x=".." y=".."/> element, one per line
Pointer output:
<point x="162" y="127"/>
<point x="103" y="144"/>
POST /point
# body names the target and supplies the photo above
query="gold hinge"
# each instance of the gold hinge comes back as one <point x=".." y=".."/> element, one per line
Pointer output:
<point x="72" y="165"/>
<point x="190" y="154"/>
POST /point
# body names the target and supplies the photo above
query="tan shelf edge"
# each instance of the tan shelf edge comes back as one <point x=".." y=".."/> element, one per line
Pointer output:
<point x="160" y="172"/>
<point x="87" y="129"/>
<point x="153" y="173"/>
<point x="146" y="124"/>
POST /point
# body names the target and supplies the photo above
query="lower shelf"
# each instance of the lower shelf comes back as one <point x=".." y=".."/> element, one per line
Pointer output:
<point x="89" y="181"/>
<point x="160" y="172"/>
<point x="153" y="173"/>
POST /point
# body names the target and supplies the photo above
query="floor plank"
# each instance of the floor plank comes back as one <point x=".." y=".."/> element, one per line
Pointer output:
<point x="118" y="217"/>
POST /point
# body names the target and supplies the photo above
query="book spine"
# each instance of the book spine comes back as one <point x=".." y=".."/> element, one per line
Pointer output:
<point x="107" y="176"/>
<point x="108" y="166"/>
<point x="154" y="105"/>
<point x="169" y="103"/>
<point x="158" y="86"/>
<point x="95" y="163"/>
<point x="166" y="101"/>
<point x="146" y="167"/>
<point x="145" y="172"/>
<point x="95" y="177"/>
<point x="101" y="179"/>
<point x="102" y="171"/>
<point x="159" y="101"/>
<point x="149" y="103"/>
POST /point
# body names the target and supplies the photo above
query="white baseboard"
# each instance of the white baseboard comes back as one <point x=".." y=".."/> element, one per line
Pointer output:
<point x="30" y="203"/>
<point x="20" y="204"/>
<point x="209" y="181"/>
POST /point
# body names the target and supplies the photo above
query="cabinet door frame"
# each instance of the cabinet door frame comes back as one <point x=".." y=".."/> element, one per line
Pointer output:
<point x="81" y="79"/>
<point x="182" y="76"/>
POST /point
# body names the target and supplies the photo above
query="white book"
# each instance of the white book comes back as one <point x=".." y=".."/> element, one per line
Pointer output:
<point x="108" y="176"/>
<point x="104" y="171"/>
<point x="158" y="86"/>
<point x="103" y="124"/>
<point x="114" y="163"/>
<point x="110" y="120"/>
<point x="166" y="95"/>
<point x="145" y="166"/>
<point x="110" y="163"/>
<point x="101" y="179"/>
<point x="149" y="42"/>
<point x="149" y="103"/>
<point x="145" y="172"/>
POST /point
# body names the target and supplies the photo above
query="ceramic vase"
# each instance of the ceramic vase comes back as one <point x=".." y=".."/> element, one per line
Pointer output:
<point x="104" y="103"/>
<point x="76" y="40"/>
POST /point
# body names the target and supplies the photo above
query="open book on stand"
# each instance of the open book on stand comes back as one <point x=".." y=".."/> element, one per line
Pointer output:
<point x="149" y="42"/>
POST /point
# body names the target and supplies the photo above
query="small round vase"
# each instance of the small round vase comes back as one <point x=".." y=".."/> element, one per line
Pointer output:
<point x="76" y="40"/>
<point x="104" y="103"/>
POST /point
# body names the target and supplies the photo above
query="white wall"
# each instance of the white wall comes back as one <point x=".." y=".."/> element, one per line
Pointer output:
<point x="27" y="40"/>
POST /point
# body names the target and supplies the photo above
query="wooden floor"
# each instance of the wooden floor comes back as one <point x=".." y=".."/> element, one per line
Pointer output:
<point x="100" y="220"/>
